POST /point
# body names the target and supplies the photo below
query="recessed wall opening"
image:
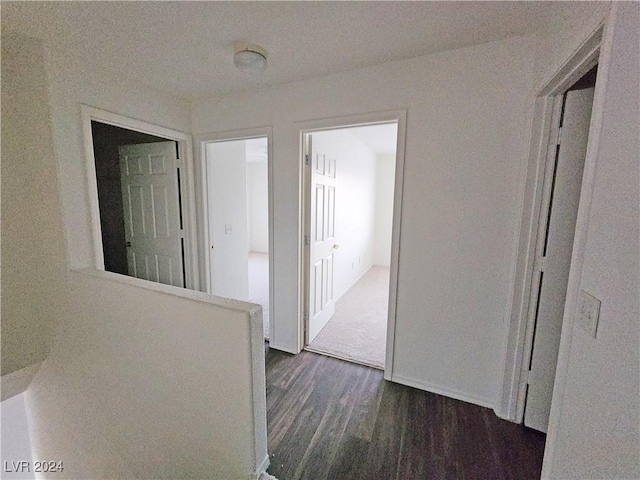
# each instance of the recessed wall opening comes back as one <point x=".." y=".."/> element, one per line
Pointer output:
<point x="349" y="199"/>
<point x="140" y="191"/>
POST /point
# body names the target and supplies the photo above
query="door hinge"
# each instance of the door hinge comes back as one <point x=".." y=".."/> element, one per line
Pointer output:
<point x="306" y="241"/>
<point x="526" y="378"/>
<point x="540" y="264"/>
<point x="306" y="318"/>
<point x="556" y="141"/>
<point x="306" y="159"/>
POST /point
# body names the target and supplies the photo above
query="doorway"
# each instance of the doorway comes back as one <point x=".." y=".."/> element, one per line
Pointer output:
<point x="349" y="196"/>
<point x="155" y="194"/>
<point x="140" y="203"/>
<point x="237" y="206"/>
<point x="557" y="224"/>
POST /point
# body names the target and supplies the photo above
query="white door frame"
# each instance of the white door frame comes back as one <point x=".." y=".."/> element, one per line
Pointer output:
<point x="201" y="142"/>
<point x="306" y="127"/>
<point x="537" y="190"/>
<point x="185" y="151"/>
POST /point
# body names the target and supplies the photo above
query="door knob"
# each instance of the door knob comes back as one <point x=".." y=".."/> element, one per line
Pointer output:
<point x="128" y="244"/>
<point x="336" y="246"/>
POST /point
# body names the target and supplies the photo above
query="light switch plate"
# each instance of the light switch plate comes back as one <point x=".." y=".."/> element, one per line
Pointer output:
<point x="588" y="313"/>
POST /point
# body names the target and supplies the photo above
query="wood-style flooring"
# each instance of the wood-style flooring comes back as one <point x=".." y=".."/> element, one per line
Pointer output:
<point x="331" y="419"/>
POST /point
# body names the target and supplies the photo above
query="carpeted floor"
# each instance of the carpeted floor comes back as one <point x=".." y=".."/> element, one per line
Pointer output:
<point x="358" y="330"/>
<point x="259" y="285"/>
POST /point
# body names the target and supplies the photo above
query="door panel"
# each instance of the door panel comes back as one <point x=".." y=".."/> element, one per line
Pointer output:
<point x="322" y="248"/>
<point x="558" y="250"/>
<point x="149" y="179"/>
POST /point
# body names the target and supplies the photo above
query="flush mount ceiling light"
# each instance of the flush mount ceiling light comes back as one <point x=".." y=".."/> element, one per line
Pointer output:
<point x="250" y="58"/>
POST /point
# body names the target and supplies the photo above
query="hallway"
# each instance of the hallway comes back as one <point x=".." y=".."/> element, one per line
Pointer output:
<point x="331" y="419"/>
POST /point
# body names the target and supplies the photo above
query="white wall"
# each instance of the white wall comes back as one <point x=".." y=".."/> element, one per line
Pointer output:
<point x="258" y="206"/>
<point x="467" y="128"/>
<point x="75" y="80"/>
<point x="563" y="34"/>
<point x="594" y="430"/>
<point x="33" y="259"/>
<point x="385" y="178"/>
<point x="227" y="178"/>
<point x="16" y="441"/>
<point x="355" y="205"/>
<point x="132" y="386"/>
<point x="169" y="391"/>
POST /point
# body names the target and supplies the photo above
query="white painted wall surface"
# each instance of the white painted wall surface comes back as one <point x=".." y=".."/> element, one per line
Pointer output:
<point x="16" y="441"/>
<point x="594" y="430"/>
<point x="132" y="384"/>
<point x="33" y="244"/>
<point x="355" y="206"/>
<point x="564" y="34"/>
<point x="227" y="191"/>
<point x="385" y="177"/>
<point x="74" y="79"/>
<point x="467" y="130"/>
<point x="258" y="206"/>
<point x="151" y="384"/>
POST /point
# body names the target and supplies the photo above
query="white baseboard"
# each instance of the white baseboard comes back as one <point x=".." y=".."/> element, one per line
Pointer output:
<point x="440" y="390"/>
<point x="262" y="468"/>
<point x="283" y="349"/>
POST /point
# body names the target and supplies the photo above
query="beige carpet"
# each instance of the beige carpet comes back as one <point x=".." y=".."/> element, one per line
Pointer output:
<point x="358" y="330"/>
<point x="259" y="285"/>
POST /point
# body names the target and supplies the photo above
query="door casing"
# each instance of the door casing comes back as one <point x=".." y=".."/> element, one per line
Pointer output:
<point x="307" y="127"/>
<point x="201" y="142"/>
<point x="535" y="209"/>
<point x="185" y="151"/>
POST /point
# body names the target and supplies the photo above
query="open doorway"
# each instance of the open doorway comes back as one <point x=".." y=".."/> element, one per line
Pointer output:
<point x="238" y="221"/>
<point x="140" y="202"/>
<point x="557" y="225"/>
<point x="350" y="182"/>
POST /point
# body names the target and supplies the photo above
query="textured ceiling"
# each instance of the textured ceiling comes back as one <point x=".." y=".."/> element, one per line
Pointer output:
<point x="186" y="48"/>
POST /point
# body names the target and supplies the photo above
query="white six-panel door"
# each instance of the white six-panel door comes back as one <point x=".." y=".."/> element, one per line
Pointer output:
<point x="322" y="245"/>
<point x="149" y="178"/>
<point x="557" y="256"/>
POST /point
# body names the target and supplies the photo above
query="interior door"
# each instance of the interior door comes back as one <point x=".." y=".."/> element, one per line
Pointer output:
<point x="558" y="247"/>
<point x="150" y="195"/>
<point x="321" y="236"/>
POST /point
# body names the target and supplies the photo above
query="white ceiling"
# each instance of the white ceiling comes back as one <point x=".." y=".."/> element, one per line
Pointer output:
<point x="185" y="48"/>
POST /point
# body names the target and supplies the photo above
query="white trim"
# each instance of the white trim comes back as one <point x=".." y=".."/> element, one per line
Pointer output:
<point x="205" y="266"/>
<point x="193" y="295"/>
<point x="520" y="336"/>
<point x="185" y="150"/>
<point x="262" y="468"/>
<point x="444" y="391"/>
<point x="373" y="118"/>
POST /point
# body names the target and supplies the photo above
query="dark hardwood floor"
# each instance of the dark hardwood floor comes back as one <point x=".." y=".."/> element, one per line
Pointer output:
<point x="331" y="419"/>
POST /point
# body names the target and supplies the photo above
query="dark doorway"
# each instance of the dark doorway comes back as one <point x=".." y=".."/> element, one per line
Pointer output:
<point x="106" y="142"/>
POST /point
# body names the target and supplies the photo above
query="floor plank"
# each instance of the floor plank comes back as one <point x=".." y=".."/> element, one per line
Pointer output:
<point x="331" y="419"/>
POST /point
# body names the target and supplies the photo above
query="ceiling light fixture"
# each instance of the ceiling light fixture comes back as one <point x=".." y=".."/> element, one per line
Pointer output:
<point x="250" y="58"/>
